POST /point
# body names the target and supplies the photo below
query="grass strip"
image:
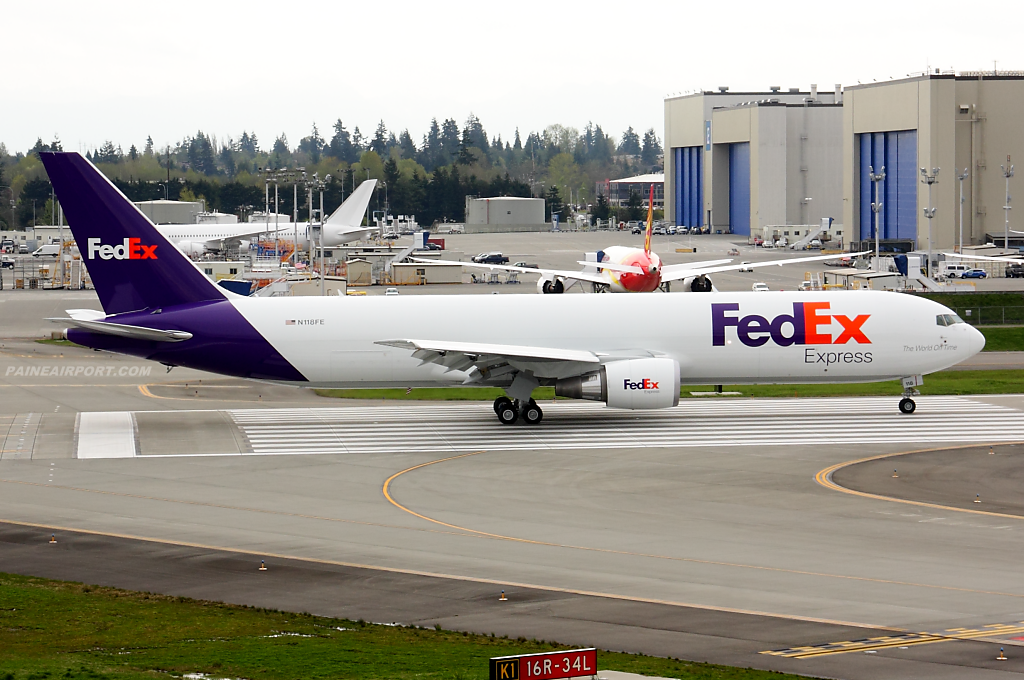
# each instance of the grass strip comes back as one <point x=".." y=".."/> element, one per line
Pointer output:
<point x="1003" y="338"/>
<point x="58" y="630"/>
<point x="942" y="383"/>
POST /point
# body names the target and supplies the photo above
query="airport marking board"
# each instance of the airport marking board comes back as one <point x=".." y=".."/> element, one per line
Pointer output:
<point x="546" y="666"/>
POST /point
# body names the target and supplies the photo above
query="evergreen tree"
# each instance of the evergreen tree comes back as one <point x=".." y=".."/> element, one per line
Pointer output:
<point x="248" y="144"/>
<point x="518" y="146"/>
<point x="406" y="144"/>
<point x="312" y="146"/>
<point x="554" y="205"/>
<point x="133" y="153"/>
<point x="630" y="144"/>
<point x="602" y="210"/>
<point x="106" y="153"/>
<point x="379" y="144"/>
<point x="227" y="159"/>
<point x="341" y="144"/>
<point x="200" y="155"/>
<point x="358" y="141"/>
<point x="450" y="140"/>
<point x="651" y="149"/>
<point x="149" y="146"/>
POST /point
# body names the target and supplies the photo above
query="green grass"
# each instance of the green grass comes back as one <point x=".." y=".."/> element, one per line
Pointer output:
<point x="54" y="630"/>
<point x="943" y="383"/>
<point x="993" y="299"/>
<point x="1003" y="338"/>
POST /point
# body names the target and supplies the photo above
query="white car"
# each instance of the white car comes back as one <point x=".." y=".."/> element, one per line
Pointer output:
<point x="760" y="288"/>
<point x="391" y="291"/>
<point x="744" y="267"/>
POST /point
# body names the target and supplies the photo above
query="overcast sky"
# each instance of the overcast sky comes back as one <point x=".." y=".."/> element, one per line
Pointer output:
<point x="98" y="70"/>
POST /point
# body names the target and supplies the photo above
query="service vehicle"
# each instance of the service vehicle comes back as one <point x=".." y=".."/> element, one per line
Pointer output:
<point x="1014" y="271"/>
<point x="490" y="258"/>
<point x="974" y="274"/>
<point x="49" y="250"/>
<point x="760" y="287"/>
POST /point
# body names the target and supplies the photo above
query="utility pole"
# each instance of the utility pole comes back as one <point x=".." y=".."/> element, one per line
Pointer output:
<point x="962" y="176"/>
<point x="876" y="207"/>
<point x="929" y="212"/>
<point x="1007" y="173"/>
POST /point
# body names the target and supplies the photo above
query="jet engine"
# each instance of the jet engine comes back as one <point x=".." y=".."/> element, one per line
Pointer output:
<point x="698" y="284"/>
<point x="545" y="285"/>
<point x="628" y="383"/>
<point x="192" y="248"/>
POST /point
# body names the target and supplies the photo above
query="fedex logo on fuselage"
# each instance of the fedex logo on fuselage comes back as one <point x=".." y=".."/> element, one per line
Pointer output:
<point x="129" y="249"/>
<point x="645" y="384"/>
<point x="799" y="328"/>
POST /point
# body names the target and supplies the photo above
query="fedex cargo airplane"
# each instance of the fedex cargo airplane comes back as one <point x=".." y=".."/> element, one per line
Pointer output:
<point x="628" y="351"/>
<point x="342" y="226"/>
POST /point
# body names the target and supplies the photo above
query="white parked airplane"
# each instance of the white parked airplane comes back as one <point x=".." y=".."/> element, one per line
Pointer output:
<point x="341" y="227"/>
<point x="629" y="352"/>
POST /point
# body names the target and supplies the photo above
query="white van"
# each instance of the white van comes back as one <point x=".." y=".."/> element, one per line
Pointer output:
<point x="49" y="250"/>
<point x="954" y="270"/>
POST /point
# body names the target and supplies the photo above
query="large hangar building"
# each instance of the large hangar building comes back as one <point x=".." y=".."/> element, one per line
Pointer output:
<point x="747" y="162"/>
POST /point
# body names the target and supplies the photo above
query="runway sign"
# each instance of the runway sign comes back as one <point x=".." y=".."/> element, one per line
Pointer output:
<point x="547" y="666"/>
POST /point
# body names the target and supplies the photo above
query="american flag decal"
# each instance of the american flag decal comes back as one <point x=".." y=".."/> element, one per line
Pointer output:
<point x="289" y="322"/>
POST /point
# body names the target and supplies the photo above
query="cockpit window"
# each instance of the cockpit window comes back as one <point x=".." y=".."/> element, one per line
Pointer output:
<point x="948" y="319"/>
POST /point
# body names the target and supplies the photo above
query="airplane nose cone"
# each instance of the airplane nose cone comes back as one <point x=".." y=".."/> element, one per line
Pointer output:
<point x="977" y="340"/>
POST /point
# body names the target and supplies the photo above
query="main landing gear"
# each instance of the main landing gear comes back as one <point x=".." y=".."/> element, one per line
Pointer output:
<point x="510" y="411"/>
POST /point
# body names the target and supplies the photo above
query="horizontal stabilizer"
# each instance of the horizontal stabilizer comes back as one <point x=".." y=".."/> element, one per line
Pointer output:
<point x="126" y="331"/>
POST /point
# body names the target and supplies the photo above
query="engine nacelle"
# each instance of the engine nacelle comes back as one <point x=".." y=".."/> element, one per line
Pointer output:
<point x="545" y="285"/>
<point x="629" y="383"/>
<point x="192" y="248"/>
<point x="698" y="284"/>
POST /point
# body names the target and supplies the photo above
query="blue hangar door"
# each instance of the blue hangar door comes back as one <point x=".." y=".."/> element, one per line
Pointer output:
<point x="689" y="186"/>
<point x="739" y="188"/>
<point x="897" y="152"/>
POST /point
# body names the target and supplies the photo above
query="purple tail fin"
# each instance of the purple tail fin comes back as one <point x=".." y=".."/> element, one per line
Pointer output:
<point x="131" y="264"/>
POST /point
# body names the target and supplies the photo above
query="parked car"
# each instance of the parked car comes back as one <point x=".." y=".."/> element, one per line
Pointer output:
<point x="490" y="258"/>
<point x="974" y="274"/>
<point x="431" y="246"/>
<point x="804" y="285"/>
<point x="815" y="244"/>
<point x="390" y="235"/>
<point x="525" y="265"/>
<point x="1015" y="271"/>
<point x="6" y="262"/>
<point x="23" y="248"/>
<point x="671" y="231"/>
<point x="745" y="268"/>
<point x="760" y="288"/>
<point x="391" y="291"/>
<point x="734" y="251"/>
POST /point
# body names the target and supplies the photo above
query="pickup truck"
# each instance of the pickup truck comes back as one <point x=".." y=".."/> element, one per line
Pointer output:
<point x="490" y="258"/>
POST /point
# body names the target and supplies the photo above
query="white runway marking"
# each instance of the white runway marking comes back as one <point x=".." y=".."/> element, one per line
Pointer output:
<point x="470" y="427"/>
<point x="106" y="435"/>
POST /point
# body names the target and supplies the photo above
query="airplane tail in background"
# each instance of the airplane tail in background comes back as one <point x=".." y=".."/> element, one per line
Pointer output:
<point x="351" y="212"/>
<point x="132" y="266"/>
<point x="650" y="222"/>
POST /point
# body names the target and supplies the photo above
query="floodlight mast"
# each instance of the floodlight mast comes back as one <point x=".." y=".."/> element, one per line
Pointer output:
<point x="876" y="207"/>
<point x="1007" y="173"/>
<point x="961" y="176"/>
<point x="929" y="212"/>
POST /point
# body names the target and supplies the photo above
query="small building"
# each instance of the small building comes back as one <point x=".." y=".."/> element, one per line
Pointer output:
<point x="171" y="212"/>
<point x="618" y="190"/>
<point x="505" y="210"/>
<point x="421" y="273"/>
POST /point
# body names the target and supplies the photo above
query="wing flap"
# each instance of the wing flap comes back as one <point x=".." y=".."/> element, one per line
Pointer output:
<point x="443" y="348"/>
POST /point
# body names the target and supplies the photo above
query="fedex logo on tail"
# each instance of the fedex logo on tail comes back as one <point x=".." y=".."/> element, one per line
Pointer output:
<point x="129" y="249"/>
<point x="809" y="324"/>
<point x="645" y="384"/>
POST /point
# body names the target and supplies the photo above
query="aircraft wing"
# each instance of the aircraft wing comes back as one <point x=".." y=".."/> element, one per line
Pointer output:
<point x="986" y="258"/>
<point x="551" y="273"/>
<point x="671" y="273"/>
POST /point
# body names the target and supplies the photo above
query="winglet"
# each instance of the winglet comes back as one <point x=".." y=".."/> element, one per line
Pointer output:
<point x="650" y="222"/>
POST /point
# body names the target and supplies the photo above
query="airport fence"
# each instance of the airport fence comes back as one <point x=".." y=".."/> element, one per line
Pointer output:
<point x="991" y="316"/>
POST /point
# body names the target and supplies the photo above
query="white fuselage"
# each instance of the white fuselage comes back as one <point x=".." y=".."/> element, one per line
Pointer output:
<point x="283" y="231"/>
<point x="331" y="340"/>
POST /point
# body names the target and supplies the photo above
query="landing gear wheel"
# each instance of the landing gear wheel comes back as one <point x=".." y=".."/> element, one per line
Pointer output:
<point x="907" y="405"/>
<point x="532" y="413"/>
<point x="508" y="414"/>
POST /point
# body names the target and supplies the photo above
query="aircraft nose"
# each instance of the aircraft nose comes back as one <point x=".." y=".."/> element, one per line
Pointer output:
<point x="977" y="340"/>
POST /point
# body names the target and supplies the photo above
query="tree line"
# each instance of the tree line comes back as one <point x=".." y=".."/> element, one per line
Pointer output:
<point x="430" y="179"/>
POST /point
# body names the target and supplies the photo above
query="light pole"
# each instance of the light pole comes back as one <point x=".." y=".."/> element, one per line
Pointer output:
<point x="319" y="184"/>
<point x="1007" y="173"/>
<point x="164" y="185"/>
<point x="961" y="176"/>
<point x="929" y="212"/>
<point x="876" y="207"/>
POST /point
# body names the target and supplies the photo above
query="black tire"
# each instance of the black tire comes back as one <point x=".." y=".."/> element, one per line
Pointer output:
<point x="501" y="402"/>
<point x="907" y="406"/>
<point x="533" y="414"/>
<point x="508" y="414"/>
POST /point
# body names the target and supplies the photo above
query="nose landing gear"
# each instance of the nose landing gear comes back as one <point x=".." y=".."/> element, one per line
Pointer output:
<point x="907" y="405"/>
<point x="910" y="385"/>
<point x="509" y="411"/>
